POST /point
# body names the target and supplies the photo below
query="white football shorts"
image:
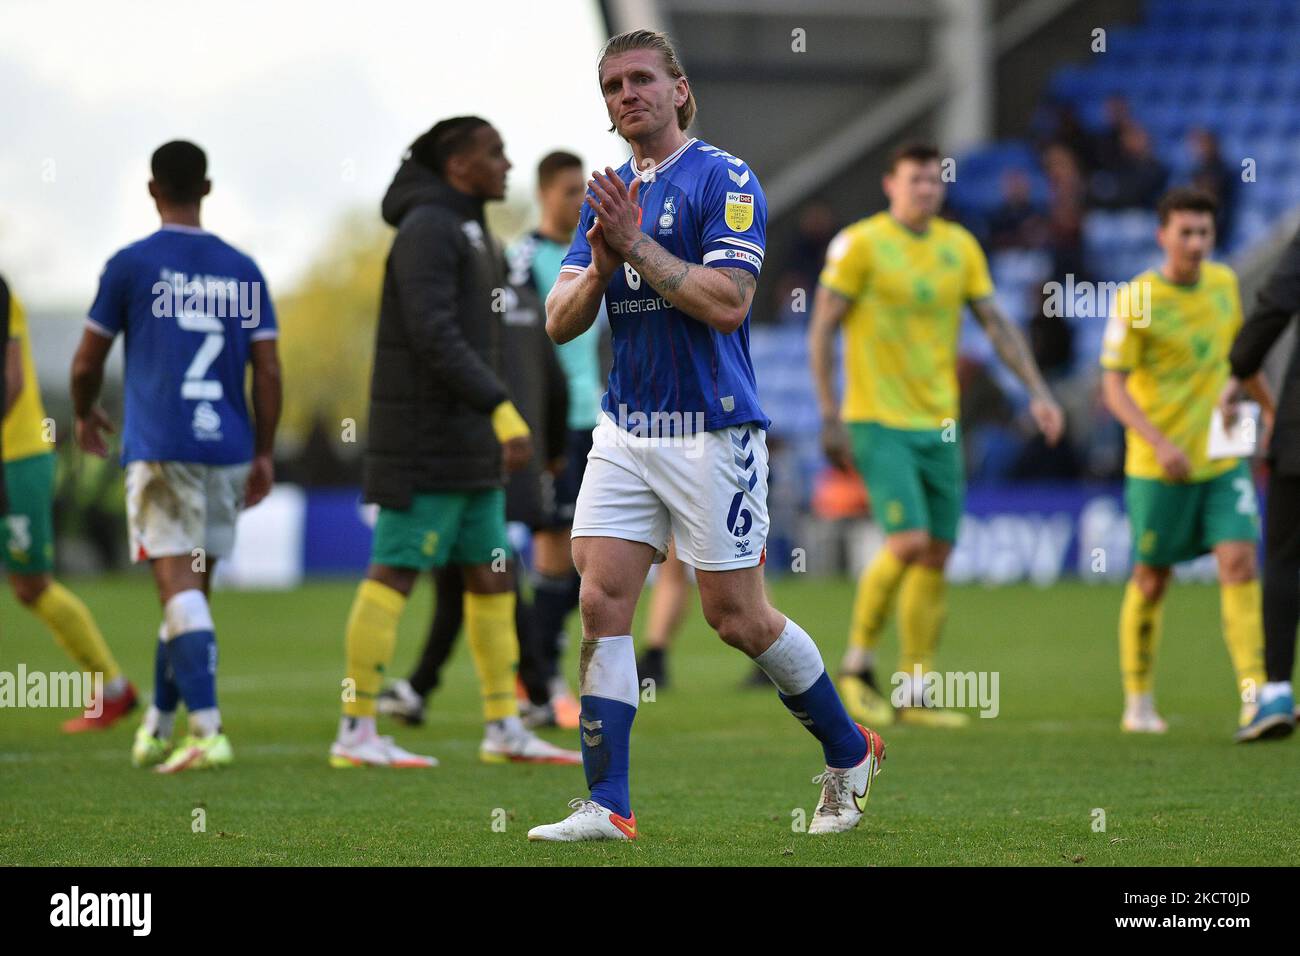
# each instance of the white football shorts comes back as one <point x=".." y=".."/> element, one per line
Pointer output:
<point x="706" y="492"/>
<point x="174" y="507"/>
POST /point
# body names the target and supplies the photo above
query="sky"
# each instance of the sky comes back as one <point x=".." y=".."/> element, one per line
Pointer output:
<point x="304" y="110"/>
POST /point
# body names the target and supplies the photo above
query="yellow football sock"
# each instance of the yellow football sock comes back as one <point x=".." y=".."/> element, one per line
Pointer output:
<point x="877" y="586"/>
<point x="922" y="610"/>
<point x="1140" y="625"/>
<point x="371" y="637"/>
<point x="1243" y="632"/>
<point x="75" y="630"/>
<point x="490" y="629"/>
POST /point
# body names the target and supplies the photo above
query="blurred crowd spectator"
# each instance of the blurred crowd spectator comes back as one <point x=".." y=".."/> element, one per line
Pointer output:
<point x="1113" y="168"/>
<point x="1036" y="231"/>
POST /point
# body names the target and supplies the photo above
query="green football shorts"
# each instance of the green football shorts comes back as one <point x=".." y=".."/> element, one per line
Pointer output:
<point x="29" y="526"/>
<point x="916" y="480"/>
<point x="1177" y="522"/>
<point x="445" y="527"/>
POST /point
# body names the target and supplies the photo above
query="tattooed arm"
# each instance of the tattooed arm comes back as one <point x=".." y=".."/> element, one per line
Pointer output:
<point x="720" y="298"/>
<point x="1014" y="351"/>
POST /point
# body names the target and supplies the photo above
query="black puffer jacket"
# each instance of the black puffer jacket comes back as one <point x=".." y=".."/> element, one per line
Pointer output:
<point x="1278" y="303"/>
<point x="437" y="372"/>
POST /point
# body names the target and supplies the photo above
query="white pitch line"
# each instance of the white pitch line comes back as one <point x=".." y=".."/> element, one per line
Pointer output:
<point x="124" y="753"/>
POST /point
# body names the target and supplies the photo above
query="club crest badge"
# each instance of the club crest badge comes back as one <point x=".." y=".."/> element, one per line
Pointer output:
<point x="669" y="215"/>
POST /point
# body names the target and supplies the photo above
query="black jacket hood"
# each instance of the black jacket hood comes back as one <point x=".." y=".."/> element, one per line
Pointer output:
<point x="415" y="185"/>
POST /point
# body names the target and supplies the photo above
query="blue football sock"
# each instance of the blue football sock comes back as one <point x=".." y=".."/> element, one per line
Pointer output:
<point x="609" y="692"/>
<point x="606" y="731"/>
<point x="166" y="695"/>
<point x="795" y="666"/>
<point x="193" y="657"/>
<point x="820" y="710"/>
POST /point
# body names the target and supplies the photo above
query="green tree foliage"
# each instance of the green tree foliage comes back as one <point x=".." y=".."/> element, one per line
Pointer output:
<point x="327" y="334"/>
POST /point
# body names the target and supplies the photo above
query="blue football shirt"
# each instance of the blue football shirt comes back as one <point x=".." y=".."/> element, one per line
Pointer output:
<point x="704" y="206"/>
<point x="190" y="306"/>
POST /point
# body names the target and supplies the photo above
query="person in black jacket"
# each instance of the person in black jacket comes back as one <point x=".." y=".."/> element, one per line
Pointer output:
<point x="442" y="427"/>
<point x="1277" y="304"/>
<point x="538" y="388"/>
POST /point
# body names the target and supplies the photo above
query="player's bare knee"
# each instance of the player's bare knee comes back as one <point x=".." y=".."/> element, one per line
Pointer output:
<point x="401" y="580"/>
<point x="909" y="546"/>
<point x="1151" y="582"/>
<point x="605" y="607"/>
<point x="1236" y="564"/>
<point x="936" y="553"/>
<point x="731" y="620"/>
<point x="487" y="579"/>
<point x="28" y="588"/>
<point x="731" y="627"/>
<point x="551" y="553"/>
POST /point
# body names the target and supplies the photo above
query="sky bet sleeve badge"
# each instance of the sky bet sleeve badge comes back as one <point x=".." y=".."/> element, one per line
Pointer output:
<point x="740" y="211"/>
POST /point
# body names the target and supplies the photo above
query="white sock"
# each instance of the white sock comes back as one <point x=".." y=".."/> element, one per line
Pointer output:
<point x="187" y="611"/>
<point x="159" y="723"/>
<point x="115" y="688"/>
<point x="1139" y="703"/>
<point x="353" y="730"/>
<point x="1273" y="690"/>
<point x="793" y="662"/>
<point x="858" y="659"/>
<point x="205" y="722"/>
<point x="608" y="669"/>
<point x="510" y="726"/>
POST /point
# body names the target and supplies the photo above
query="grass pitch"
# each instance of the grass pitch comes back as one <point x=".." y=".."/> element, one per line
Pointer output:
<point x="718" y="771"/>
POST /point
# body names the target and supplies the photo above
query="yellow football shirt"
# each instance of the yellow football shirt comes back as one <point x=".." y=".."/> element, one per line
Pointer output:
<point x="1176" y="354"/>
<point x="24" y="426"/>
<point x="900" y="334"/>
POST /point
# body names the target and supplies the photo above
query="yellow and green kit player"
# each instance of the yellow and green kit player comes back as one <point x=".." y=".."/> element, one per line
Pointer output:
<point x="897" y="282"/>
<point x="1165" y="364"/>
<point x="28" y="541"/>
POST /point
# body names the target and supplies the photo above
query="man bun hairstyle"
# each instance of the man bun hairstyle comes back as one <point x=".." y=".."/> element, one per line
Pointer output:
<point x="443" y="140"/>
<point x="659" y="42"/>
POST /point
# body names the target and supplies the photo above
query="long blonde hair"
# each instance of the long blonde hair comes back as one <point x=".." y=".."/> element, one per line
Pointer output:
<point x="659" y="42"/>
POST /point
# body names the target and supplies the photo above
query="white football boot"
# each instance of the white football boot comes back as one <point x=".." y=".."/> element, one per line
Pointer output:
<point x="375" y="751"/>
<point x="508" y="741"/>
<point x="588" y="821"/>
<point x="1140" y="716"/>
<point x="845" y="791"/>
